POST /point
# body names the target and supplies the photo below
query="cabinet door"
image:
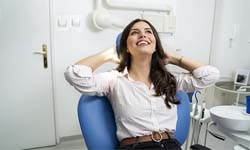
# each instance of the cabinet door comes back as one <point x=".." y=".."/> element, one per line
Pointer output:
<point x="26" y="110"/>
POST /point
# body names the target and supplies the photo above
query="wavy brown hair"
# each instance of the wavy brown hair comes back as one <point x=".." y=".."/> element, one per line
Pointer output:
<point x="164" y="82"/>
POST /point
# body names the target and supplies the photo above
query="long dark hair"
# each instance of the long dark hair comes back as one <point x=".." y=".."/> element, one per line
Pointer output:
<point x="164" y="82"/>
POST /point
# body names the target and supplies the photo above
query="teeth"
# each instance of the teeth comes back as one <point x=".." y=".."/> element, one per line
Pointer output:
<point x="142" y="42"/>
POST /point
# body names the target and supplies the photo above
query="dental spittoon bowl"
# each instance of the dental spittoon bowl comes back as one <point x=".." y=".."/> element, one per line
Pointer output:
<point x="232" y="118"/>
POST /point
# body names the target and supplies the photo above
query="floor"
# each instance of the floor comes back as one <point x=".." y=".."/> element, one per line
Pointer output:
<point x="67" y="145"/>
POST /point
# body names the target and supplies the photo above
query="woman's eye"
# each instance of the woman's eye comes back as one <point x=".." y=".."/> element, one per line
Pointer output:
<point x="148" y="31"/>
<point x="134" y="32"/>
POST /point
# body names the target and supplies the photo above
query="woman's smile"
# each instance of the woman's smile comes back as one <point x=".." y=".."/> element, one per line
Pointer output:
<point x="143" y="42"/>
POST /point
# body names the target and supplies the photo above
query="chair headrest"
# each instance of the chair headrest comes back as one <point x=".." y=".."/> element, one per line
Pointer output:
<point x="117" y="42"/>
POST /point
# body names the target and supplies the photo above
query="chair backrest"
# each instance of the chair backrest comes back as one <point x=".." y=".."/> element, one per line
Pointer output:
<point x="98" y="126"/>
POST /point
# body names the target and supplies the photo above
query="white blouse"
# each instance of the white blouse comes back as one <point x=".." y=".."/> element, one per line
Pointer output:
<point x="137" y="111"/>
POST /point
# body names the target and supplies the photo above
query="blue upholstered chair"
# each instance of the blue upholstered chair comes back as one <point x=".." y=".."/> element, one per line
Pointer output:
<point x="98" y="124"/>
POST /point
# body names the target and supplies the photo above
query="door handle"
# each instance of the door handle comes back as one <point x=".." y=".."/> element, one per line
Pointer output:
<point x="44" y="53"/>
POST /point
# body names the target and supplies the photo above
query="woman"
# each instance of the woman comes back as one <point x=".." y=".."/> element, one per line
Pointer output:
<point x="141" y="90"/>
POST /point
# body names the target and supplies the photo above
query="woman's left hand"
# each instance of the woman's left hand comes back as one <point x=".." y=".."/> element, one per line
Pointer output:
<point x="182" y="62"/>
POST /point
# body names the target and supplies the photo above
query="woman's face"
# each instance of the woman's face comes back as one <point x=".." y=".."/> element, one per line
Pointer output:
<point x="141" y="40"/>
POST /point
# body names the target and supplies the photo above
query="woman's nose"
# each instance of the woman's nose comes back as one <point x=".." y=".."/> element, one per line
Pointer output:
<point x="142" y="35"/>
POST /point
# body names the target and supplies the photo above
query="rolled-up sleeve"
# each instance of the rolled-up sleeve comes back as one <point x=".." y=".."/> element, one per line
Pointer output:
<point x="200" y="78"/>
<point x="86" y="82"/>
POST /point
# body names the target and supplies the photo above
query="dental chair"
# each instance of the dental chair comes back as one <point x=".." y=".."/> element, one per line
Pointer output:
<point x="98" y="126"/>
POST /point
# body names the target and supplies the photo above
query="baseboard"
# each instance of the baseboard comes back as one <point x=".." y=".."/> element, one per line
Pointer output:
<point x="71" y="138"/>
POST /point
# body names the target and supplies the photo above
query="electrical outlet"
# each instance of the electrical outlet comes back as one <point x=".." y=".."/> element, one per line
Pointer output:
<point x="62" y="23"/>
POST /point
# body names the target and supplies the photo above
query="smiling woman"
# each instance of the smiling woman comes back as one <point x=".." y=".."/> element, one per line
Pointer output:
<point x="141" y="39"/>
<point x="141" y="90"/>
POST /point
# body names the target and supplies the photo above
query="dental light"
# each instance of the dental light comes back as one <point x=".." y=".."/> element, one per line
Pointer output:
<point x="107" y="18"/>
<point x="102" y="19"/>
<point x="136" y="5"/>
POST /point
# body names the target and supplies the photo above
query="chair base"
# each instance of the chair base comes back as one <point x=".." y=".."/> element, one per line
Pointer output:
<point x="199" y="147"/>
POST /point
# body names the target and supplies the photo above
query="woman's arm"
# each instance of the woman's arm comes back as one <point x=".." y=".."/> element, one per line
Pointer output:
<point x="81" y="76"/>
<point x="183" y="62"/>
<point x="100" y="58"/>
<point x="200" y="76"/>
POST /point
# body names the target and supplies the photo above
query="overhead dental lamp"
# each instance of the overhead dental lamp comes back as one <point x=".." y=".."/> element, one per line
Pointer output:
<point x="160" y="15"/>
<point x="102" y="19"/>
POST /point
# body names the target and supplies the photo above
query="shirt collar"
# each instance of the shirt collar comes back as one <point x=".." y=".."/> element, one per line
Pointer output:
<point x="126" y="74"/>
<point x="125" y="71"/>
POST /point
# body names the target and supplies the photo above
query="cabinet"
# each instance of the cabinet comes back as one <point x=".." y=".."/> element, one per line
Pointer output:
<point x="229" y="86"/>
<point x="239" y="139"/>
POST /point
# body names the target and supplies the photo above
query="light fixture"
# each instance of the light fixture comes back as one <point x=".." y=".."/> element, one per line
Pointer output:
<point x="103" y="19"/>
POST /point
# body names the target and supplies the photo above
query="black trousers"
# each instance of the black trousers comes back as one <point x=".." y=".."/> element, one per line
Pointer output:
<point x="167" y="144"/>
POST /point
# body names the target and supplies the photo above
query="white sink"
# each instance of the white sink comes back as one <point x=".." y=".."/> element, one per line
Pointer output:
<point x="233" y="118"/>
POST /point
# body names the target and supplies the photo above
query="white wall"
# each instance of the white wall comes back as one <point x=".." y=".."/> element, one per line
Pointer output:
<point x="230" y="13"/>
<point x="225" y="55"/>
<point x="68" y="47"/>
<point x="194" y="28"/>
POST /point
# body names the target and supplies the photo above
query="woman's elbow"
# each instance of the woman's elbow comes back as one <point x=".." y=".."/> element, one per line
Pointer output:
<point x="211" y="79"/>
<point x="67" y="76"/>
<point x="206" y="81"/>
<point x="214" y="75"/>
